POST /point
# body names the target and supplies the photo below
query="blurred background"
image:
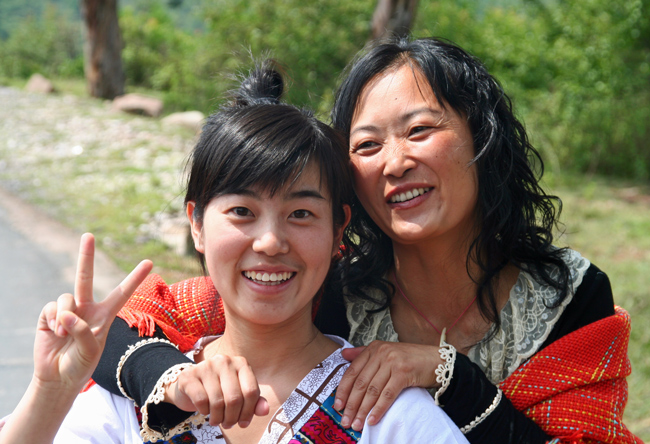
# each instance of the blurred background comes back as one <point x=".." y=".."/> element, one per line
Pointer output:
<point x="577" y="71"/>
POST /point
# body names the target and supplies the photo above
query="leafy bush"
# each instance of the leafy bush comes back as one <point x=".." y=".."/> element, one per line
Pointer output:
<point x="50" y="44"/>
<point x="578" y="72"/>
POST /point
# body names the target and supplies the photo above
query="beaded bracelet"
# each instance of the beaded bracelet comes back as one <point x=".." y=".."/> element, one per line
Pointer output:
<point x="445" y="370"/>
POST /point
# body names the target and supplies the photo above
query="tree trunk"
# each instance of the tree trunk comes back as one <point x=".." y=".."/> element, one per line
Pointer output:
<point x="393" y="17"/>
<point x="102" y="49"/>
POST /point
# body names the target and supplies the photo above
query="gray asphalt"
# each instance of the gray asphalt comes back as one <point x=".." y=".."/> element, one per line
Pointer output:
<point x="31" y="276"/>
<point x="37" y="263"/>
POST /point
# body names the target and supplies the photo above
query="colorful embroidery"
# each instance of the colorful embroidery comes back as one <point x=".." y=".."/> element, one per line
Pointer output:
<point x="324" y="427"/>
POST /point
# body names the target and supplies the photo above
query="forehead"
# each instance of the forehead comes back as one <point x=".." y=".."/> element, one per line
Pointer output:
<point x="304" y="184"/>
<point x="405" y="78"/>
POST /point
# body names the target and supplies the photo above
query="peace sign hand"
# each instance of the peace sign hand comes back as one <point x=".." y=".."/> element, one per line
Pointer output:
<point x="71" y="332"/>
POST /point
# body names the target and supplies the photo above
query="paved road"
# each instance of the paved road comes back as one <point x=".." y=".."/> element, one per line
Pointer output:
<point x="37" y="260"/>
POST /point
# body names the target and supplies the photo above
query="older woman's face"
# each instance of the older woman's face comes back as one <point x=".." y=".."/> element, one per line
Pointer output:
<point x="410" y="159"/>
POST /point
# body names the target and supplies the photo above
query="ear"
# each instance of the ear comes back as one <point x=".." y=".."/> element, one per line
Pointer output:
<point x="196" y="227"/>
<point x="338" y="234"/>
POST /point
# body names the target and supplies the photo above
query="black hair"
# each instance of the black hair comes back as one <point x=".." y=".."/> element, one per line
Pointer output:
<point x="516" y="217"/>
<point x="255" y="140"/>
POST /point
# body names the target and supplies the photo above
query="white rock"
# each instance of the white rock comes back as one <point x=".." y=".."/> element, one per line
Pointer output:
<point x="138" y="104"/>
<point x="190" y="119"/>
<point x="39" y="84"/>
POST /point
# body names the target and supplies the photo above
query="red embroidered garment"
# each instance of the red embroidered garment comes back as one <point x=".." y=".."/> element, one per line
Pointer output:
<point x="574" y="389"/>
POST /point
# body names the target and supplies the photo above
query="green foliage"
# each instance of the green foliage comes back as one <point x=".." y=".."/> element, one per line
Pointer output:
<point x="578" y="71"/>
<point x="159" y="55"/>
<point x="313" y="40"/>
<point x="50" y="44"/>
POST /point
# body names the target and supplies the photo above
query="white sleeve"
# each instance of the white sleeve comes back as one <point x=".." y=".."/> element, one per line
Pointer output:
<point x="98" y="417"/>
<point x="413" y="418"/>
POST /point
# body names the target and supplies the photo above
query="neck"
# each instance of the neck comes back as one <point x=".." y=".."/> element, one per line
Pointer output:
<point x="435" y="274"/>
<point x="271" y="349"/>
<point x="434" y="278"/>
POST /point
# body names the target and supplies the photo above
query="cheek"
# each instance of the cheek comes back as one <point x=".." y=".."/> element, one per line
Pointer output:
<point x="363" y="173"/>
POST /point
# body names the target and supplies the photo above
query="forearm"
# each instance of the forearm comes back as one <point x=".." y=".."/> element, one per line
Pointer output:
<point x="39" y="414"/>
<point x="141" y="371"/>
<point x="472" y="397"/>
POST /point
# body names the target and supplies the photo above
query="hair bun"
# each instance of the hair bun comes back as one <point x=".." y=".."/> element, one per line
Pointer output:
<point x="263" y="85"/>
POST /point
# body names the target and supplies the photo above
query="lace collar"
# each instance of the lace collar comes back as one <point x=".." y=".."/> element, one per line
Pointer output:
<point x="526" y="322"/>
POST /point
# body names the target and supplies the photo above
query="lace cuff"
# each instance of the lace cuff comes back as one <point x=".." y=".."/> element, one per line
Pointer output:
<point x="479" y="419"/>
<point x="157" y="396"/>
<point x="129" y="352"/>
<point x="445" y="370"/>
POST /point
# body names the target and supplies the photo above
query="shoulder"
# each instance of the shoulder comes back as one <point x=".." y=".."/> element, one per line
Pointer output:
<point x="593" y="300"/>
<point x="99" y="416"/>
<point x="400" y="425"/>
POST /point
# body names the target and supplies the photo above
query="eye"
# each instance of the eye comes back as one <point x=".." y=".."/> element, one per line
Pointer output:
<point x="418" y="129"/>
<point x="301" y="214"/>
<point x="241" y="211"/>
<point x="364" y="147"/>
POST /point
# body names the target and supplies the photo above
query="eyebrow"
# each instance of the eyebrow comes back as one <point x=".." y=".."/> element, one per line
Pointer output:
<point x="402" y="118"/>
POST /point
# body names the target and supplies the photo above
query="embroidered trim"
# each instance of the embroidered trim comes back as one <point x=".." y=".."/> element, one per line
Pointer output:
<point x="129" y="352"/>
<point x="445" y="370"/>
<point x="479" y="419"/>
<point x="156" y="397"/>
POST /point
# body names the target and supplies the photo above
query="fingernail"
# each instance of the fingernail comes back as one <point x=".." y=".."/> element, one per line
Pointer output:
<point x="52" y="324"/>
<point x="357" y="425"/>
<point x="338" y="405"/>
<point x="371" y="420"/>
<point x="60" y="331"/>
<point x="244" y="424"/>
<point x="224" y="426"/>
<point x="345" y="422"/>
<point x="69" y="321"/>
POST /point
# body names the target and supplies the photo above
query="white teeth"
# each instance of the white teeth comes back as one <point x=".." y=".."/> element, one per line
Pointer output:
<point x="415" y="192"/>
<point x="270" y="279"/>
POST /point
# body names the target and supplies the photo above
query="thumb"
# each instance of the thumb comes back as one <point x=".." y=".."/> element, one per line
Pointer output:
<point x="262" y="407"/>
<point x="78" y="329"/>
<point x="350" y="354"/>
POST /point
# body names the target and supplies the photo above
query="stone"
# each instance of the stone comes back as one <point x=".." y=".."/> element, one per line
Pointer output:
<point x="189" y="119"/>
<point x="37" y="83"/>
<point x="138" y="104"/>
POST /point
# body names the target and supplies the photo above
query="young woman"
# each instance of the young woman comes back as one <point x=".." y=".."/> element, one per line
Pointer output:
<point x="268" y="199"/>
<point x="452" y="230"/>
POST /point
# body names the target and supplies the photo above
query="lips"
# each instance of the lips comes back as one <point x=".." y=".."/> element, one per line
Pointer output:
<point x="266" y="278"/>
<point x="408" y="195"/>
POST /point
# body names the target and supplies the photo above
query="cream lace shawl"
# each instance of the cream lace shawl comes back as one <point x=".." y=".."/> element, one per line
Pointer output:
<point x="526" y="322"/>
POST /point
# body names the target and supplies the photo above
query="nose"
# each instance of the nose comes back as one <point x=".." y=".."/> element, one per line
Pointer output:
<point x="271" y="240"/>
<point x="398" y="160"/>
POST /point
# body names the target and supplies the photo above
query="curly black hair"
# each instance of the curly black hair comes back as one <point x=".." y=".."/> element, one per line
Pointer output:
<point x="516" y="216"/>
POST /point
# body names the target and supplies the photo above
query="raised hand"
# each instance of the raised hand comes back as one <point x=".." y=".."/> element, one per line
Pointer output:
<point x="223" y="387"/>
<point x="71" y="332"/>
<point x="378" y="374"/>
<point x="70" y="337"/>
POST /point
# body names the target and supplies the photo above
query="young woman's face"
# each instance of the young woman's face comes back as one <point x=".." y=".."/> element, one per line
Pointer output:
<point x="410" y="159"/>
<point x="268" y="256"/>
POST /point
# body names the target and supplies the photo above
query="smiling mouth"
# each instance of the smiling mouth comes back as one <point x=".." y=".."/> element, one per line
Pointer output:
<point x="403" y="197"/>
<point x="268" y="278"/>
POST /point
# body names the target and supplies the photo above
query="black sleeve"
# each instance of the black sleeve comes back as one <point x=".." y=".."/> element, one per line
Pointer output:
<point x="592" y="302"/>
<point x="470" y="393"/>
<point x="140" y="372"/>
